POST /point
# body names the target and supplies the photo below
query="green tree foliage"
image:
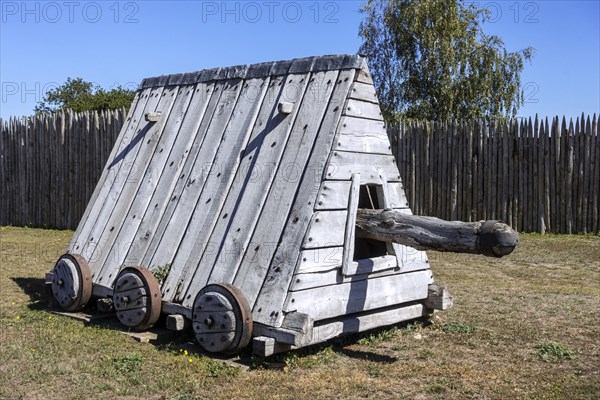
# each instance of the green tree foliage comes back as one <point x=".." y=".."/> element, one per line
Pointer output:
<point x="79" y="95"/>
<point x="430" y="59"/>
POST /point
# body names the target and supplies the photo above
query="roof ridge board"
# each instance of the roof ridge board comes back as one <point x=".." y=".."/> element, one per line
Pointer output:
<point x="270" y="68"/>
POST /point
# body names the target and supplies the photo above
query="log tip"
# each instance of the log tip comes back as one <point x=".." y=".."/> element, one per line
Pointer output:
<point x="496" y="239"/>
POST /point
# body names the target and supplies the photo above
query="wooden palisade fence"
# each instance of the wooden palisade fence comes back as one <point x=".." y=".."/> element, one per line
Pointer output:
<point x="537" y="176"/>
<point x="49" y="165"/>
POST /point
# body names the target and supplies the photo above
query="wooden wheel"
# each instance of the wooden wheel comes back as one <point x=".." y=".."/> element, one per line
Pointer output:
<point x="71" y="282"/>
<point x="137" y="298"/>
<point x="222" y="319"/>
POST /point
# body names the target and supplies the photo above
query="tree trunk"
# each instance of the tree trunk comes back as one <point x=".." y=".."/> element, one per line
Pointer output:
<point x="490" y="238"/>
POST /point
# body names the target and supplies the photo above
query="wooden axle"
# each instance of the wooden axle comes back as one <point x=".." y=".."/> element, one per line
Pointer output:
<point x="490" y="238"/>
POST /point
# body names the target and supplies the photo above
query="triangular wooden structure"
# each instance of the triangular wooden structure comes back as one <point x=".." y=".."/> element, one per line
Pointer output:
<point x="250" y="176"/>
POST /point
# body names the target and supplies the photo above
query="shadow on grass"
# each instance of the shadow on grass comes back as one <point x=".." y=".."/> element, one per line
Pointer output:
<point x="35" y="288"/>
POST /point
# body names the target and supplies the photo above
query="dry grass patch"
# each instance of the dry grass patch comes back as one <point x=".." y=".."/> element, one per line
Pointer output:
<point x="522" y="327"/>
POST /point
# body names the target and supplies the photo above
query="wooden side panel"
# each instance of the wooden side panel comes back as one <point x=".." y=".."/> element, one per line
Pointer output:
<point x="135" y="111"/>
<point x="246" y="196"/>
<point x="362" y="136"/>
<point x="364" y="92"/>
<point x="121" y="167"/>
<point x="260" y="250"/>
<point x="357" y="271"/>
<point x="343" y="164"/>
<point x="350" y="230"/>
<point x="160" y="176"/>
<point x="363" y="109"/>
<point x="225" y="174"/>
<point x="175" y="219"/>
<point x="110" y="171"/>
<point x="181" y="159"/>
<point x="353" y="297"/>
<point x="326" y="229"/>
<point x="320" y="260"/>
<point x="177" y="222"/>
<point x="113" y="215"/>
<point x="267" y="308"/>
<point x="333" y="195"/>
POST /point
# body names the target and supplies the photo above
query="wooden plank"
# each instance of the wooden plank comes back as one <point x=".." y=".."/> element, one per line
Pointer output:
<point x="363" y="109"/>
<point x="363" y="75"/>
<point x="180" y="228"/>
<point x="384" y="193"/>
<point x="569" y="181"/>
<point x="342" y="165"/>
<point x="596" y="179"/>
<point x="590" y="164"/>
<point x="366" y="267"/>
<point x="353" y="297"/>
<point x="365" y="141"/>
<point x="221" y="178"/>
<point x="265" y="346"/>
<point x="364" y="92"/>
<point x="320" y="260"/>
<point x="159" y="175"/>
<point x="359" y="270"/>
<point x="182" y="156"/>
<point x="135" y="158"/>
<point x="218" y="203"/>
<point x="110" y="172"/>
<point x="271" y="291"/>
<point x="326" y="229"/>
<point x="266" y="158"/>
<point x="333" y="195"/>
<point x="350" y="229"/>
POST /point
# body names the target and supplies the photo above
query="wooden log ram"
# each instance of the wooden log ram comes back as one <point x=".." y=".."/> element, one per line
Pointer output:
<point x="490" y="238"/>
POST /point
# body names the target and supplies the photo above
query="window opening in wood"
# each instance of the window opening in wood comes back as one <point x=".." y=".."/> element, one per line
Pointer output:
<point x="368" y="197"/>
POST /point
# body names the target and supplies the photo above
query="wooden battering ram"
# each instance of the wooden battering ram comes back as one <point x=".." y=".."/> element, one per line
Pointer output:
<point x="260" y="203"/>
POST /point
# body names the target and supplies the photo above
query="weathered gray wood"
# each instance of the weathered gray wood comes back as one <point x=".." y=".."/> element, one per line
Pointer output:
<point x="363" y="136"/>
<point x="233" y="229"/>
<point x="309" y="124"/>
<point x="327" y="229"/>
<point x="282" y="335"/>
<point x="177" y="322"/>
<point x="183" y="199"/>
<point x="438" y="298"/>
<point x="179" y="239"/>
<point x="363" y="295"/>
<point x="385" y="195"/>
<point x="258" y="245"/>
<point x="113" y="212"/>
<point x="114" y="176"/>
<point x="267" y="308"/>
<point x="358" y="270"/>
<point x="348" y="256"/>
<point x="429" y="233"/>
<point x="135" y="198"/>
<point x="182" y="156"/>
<point x="364" y="92"/>
<point x="363" y="109"/>
<point x="333" y="195"/>
<point x="343" y="164"/>
<point x="320" y="259"/>
<point x="210" y="197"/>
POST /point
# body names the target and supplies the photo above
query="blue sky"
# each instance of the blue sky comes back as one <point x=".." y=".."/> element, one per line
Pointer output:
<point x="110" y="43"/>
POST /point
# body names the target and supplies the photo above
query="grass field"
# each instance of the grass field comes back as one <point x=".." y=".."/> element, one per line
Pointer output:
<point x="523" y="327"/>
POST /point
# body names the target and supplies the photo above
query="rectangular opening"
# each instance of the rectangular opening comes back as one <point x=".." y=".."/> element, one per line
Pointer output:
<point x="368" y="197"/>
